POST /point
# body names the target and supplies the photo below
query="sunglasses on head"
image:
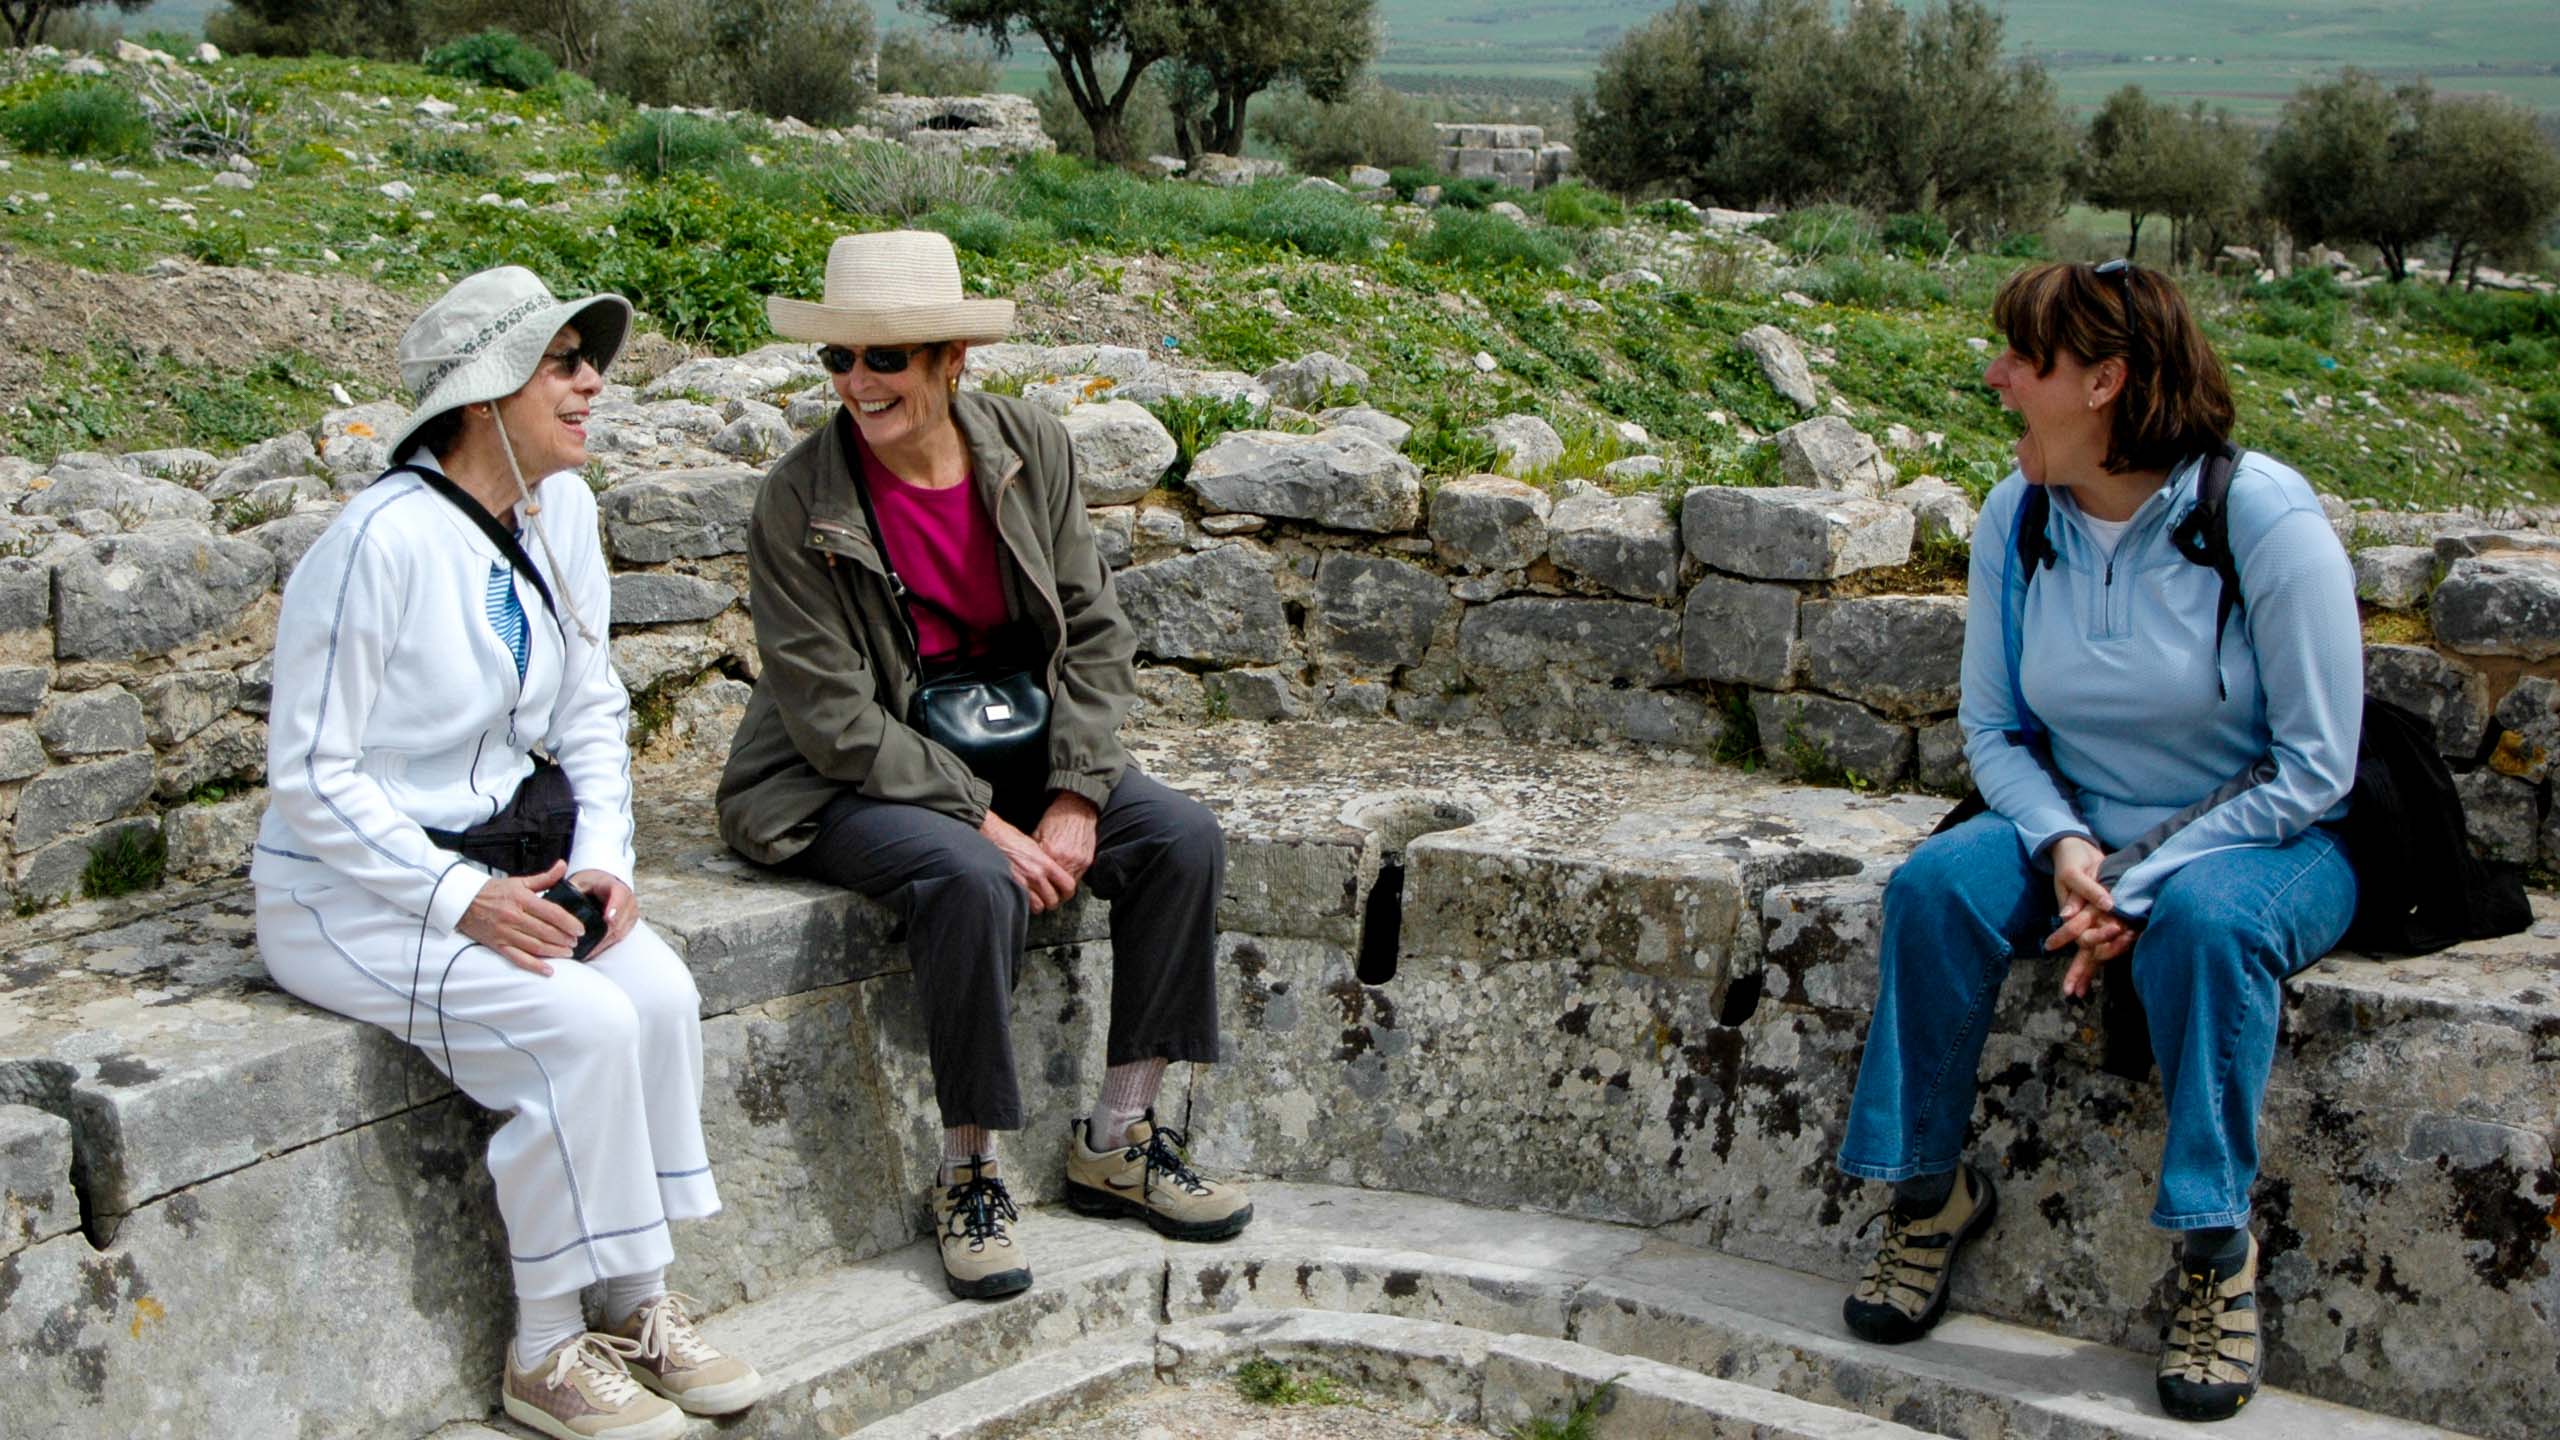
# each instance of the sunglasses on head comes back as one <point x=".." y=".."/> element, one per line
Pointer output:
<point x="878" y="359"/>
<point x="566" y="363"/>
<point x="2121" y="272"/>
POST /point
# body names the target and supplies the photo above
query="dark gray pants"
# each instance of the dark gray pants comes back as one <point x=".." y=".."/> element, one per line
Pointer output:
<point x="1159" y="859"/>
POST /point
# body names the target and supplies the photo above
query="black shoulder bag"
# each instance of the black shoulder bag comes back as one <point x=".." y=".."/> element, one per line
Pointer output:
<point x="990" y="710"/>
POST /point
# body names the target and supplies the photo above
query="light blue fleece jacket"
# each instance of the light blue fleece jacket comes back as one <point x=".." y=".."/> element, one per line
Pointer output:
<point x="2116" y="658"/>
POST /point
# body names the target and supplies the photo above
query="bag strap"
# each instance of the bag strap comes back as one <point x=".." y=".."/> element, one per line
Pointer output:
<point x="2204" y="537"/>
<point x="499" y="535"/>
<point x="2029" y="547"/>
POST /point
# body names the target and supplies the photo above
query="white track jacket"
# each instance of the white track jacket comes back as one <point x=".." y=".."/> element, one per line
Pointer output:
<point x="396" y="703"/>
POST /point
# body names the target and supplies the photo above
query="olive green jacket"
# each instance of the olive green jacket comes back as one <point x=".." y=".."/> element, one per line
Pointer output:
<point x="838" y="669"/>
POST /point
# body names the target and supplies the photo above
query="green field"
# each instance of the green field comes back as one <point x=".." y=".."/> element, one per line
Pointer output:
<point x="2247" y="54"/>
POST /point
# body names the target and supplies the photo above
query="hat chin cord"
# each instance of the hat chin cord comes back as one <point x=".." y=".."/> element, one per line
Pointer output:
<point x="533" y="512"/>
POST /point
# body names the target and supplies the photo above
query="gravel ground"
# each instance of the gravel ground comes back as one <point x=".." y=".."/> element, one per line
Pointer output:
<point x="1215" y="1412"/>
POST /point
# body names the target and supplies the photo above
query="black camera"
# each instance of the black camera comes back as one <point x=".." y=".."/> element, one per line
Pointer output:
<point x="586" y="909"/>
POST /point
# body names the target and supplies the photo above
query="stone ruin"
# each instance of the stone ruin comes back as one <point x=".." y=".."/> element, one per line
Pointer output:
<point x="1542" y="1021"/>
<point x="977" y="126"/>
<point x="1516" y="155"/>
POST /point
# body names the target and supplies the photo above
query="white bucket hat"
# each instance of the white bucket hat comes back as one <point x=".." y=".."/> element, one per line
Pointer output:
<point x="484" y="338"/>
<point x="892" y="287"/>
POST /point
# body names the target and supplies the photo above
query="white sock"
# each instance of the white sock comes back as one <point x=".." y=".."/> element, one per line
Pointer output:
<point x="1128" y="1092"/>
<point x="963" y="1143"/>
<point x="626" y="1293"/>
<point x="545" y="1325"/>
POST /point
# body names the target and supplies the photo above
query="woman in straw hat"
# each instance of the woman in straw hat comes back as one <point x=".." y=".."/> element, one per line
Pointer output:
<point x="415" y="860"/>
<point x="926" y="531"/>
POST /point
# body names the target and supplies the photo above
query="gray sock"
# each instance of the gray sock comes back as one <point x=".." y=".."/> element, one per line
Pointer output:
<point x="2220" y="1248"/>
<point x="1922" y="1196"/>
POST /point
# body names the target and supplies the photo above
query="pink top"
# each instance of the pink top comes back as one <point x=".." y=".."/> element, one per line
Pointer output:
<point x="944" y="547"/>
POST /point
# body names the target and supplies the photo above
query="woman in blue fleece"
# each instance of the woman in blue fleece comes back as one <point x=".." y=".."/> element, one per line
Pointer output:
<point x="2146" y="712"/>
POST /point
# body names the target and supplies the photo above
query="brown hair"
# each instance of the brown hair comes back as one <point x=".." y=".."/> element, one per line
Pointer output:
<point x="435" y="436"/>
<point x="2176" y="400"/>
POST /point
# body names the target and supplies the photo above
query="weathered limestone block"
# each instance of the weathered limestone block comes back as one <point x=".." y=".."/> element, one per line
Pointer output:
<point x="1782" y="362"/>
<point x="2503" y="604"/>
<point x="1112" y="529"/>
<point x="1375" y="614"/>
<point x="1636" y="467"/>
<point x="1256" y="694"/>
<point x="68" y="797"/>
<point x="1121" y="450"/>
<point x="55" y="872"/>
<point x="1738" y="631"/>
<point x="1220" y="606"/>
<point x="1791" y="533"/>
<point x="36" y="1200"/>
<point x="153" y="591"/>
<point x="2395" y="577"/>
<point x="1939" y="762"/>
<point x="1815" y="737"/>
<point x="757" y="433"/>
<point x="124" y="496"/>
<point x="1561" y="707"/>
<point x="1604" y="640"/>
<point x="1341" y="478"/>
<point x="681" y="513"/>
<point x="661" y="597"/>
<point x="290" y="537"/>
<point x="1391" y="431"/>
<point x="1310" y="378"/>
<point x="2529" y="729"/>
<point x="1626" y="543"/>
<point x="290" y="454"/>
<point x="1939" y="511"/>
<point x="212" y="839"/>
<point x="23" y="687"/>
<point x="2501" y="814"/>
<point x="231" y="752"/>
<point x="181" y="464"/>
<point x="1829" y="453"/>
<point x="1522" y="444"/>
<point x="978" y="126"/>
<point x="1902" y="654"/>
<point x="350" y="440"/>
<point x="739" y="377"/>
<point x="104" y="721"/>
<point x="26" y="594"/>
<point x="646" y="659"/>
<point x="2447" y="694"/>
<point x="21" y="753"/>
<point x="1490" y="522"/>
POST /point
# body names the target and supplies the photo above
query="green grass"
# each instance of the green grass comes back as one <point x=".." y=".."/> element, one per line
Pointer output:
<point x="1268" y="1382"/>
<point x="107" y="397"/>
<point x="93" y="120"/>
<point x="1580" y="1422"/>
<point x="135" y="857"/>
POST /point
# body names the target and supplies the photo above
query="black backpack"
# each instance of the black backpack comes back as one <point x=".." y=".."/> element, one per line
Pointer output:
<point x="2419" y="886"/>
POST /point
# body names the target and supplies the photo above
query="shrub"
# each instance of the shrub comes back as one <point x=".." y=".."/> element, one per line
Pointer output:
<point x="495" y="58"/>
<point x="2437" y="376"/>
<point x="989" y="232"/>
<point x="93" y="119"/>
<point x="132" y="858"/>
<point x="2544" y="410"/>
<point x="1578" y="207"/>
<point x="578" y="100"/>
<point x="1873" y="283"/>
<point x="438" y="157"/>
<point x="1316" y="222"/>
<point x="1196" y="422"/>
<point x="901" y="184"/>
<point x="1472" y="194"/>
<point x="935" y="62"/>
<point x="1487" y="242"/>
<point x="1818" y="230"/>
<point x="777" y="57"/>
<point x="2524" y="355"/>
<point x="658" y="143"/>
<point x="1915" y="233"/>
<point x="1372" y="125"/>
<point x="2307" y="305"/>
<point x="1448" y="443"/>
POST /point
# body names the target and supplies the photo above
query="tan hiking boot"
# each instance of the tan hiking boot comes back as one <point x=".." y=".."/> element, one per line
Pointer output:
<point x="677" y="1362"/>
<point x="2209" y="1360"/>
<point x="1147" y="1176"/>
<point x="1904" y="1290"/>
<point x="582" y="1392"/>
<point x="974" y="1216"/>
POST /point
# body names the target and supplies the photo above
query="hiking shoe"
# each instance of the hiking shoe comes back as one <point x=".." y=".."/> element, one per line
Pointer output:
<point x="582" y="1392"/>
<point x="1905" y="1288"/>
<point x="2209" y="1358"/>
<point x="1146" y="1175"/>
<point x="677" y="1362"/>
<point x="973" y="1214"/>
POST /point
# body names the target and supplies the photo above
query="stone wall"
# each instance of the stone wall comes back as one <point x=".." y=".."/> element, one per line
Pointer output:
<point x="1518" y="155"/>
<point x="1301" y="570"/>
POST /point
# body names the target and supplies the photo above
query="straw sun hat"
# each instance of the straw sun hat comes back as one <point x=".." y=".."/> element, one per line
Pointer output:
<point x="484" y="338"/>
<point x="891" y="287"/>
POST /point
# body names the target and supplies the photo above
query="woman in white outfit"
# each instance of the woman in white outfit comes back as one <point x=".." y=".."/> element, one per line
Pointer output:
<point x="447" y="628"/>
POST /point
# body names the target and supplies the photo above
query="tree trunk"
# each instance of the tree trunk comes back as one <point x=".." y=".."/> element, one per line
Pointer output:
<point x="2395" y="262"/>
<point x="1110" y="140"/>
<point x="22" y="20"/>
<point x="1186" y="138"/>
<point x="1226" y="121"/>
<point x="2453" y="265"/>
<point x="2133" y="239"/>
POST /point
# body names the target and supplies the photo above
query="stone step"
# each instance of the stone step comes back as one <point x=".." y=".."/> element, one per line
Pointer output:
<point x="1443" y="1310"/>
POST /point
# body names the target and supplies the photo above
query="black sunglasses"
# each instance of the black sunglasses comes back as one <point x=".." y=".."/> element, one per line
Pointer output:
<point x="878" y="359"/>
<point x="2121" y="272"/>
<point x="566" y="363"/>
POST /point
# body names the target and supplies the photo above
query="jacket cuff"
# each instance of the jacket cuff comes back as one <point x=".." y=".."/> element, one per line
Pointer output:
<point x="455" y="890"/>
<point x="1076" y="782"/>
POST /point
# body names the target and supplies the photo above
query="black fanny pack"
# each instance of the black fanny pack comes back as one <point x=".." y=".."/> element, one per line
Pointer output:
<point x="531" y="832"/>
<point x="990" y="710"/>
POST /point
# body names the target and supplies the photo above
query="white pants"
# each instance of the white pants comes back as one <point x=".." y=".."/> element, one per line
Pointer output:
<point x="598" y="1064"/>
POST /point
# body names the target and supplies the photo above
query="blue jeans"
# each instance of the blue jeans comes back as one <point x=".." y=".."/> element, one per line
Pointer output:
<point x="2224" y="932"/>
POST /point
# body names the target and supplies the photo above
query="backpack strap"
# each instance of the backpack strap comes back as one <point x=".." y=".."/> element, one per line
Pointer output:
<point x="2030" y="547"/>
<point x="2204" y="537"/>
<point x="499" y="535"/>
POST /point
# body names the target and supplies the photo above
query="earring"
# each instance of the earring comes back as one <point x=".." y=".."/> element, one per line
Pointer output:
<point x="955" y="382"/>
